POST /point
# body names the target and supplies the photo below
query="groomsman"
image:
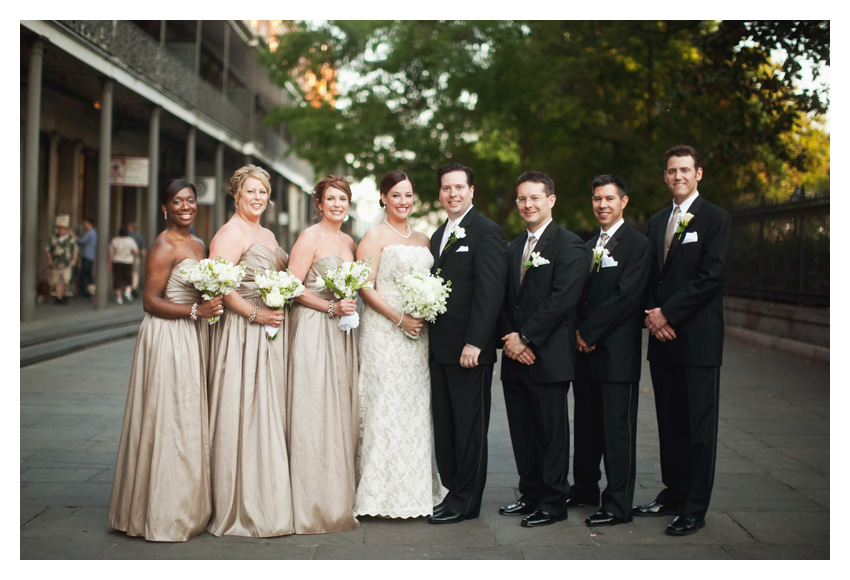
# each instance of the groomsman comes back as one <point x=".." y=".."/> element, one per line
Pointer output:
<point x="469" y="250"/>
<point x="684" y="314"/>
<point x="608" y="368"/>
<point x="547" y="267"/>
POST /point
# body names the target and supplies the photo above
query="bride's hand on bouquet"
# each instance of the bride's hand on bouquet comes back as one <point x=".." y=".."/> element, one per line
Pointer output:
<point x="411" y="325"/>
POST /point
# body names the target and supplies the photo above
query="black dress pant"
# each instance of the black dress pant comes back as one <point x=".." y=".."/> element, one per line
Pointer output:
<point x="605" y="424"/>
<point x="460" y="404"/>
<point x="686" y="406"/>
<point x="539" y="422"/>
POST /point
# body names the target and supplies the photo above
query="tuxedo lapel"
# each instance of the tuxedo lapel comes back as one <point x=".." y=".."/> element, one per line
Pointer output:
<point x="450" y="249"/>
<point x="677" y="238"/>
<point x="435" y="243"/>
<point x="515" y="261"/>
<point x="538" y="248"/>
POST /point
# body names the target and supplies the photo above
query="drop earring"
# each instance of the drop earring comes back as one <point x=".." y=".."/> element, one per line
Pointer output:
<point x="165" y="215"/>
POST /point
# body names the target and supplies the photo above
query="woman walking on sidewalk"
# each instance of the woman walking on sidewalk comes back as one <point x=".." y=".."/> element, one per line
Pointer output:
<point x="161" y="488"/>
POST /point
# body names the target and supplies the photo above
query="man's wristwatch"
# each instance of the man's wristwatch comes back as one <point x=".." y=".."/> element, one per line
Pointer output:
<point x="524" y="340"/>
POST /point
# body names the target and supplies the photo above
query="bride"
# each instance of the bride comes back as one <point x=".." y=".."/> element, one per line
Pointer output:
<point x="395" y="477"/>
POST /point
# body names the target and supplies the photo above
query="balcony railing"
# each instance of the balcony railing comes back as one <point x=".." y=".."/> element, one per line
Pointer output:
<point x="131" y="47"/>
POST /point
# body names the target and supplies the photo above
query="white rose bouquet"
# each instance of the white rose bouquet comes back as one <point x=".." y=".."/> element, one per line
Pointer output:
<point x="214" y="278"/>
<point x="423" y="295"/>
<point x="276" y="289"/>
<point x="344" y="281"/>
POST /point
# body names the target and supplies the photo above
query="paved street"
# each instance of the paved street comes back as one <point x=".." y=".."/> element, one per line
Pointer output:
<point x="771" y="496"/>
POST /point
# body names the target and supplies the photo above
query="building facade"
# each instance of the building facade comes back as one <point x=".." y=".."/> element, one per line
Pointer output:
<point x="110" y="110"/>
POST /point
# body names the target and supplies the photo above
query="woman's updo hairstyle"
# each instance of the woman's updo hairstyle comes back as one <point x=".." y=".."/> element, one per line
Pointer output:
<point x="243" y="173"/>
<point x="334" y="181"/>
<point x="390" y="180"/>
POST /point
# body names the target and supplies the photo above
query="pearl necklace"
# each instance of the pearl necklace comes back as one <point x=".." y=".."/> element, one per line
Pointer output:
<point x="409" y="231"/>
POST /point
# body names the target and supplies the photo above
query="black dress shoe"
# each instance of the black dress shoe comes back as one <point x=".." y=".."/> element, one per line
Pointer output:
<point x="520" y="508"/>
<point x="541" y="518"/>
<point x="446" y="516"/>
<point x="654" y="509"/>
<point x="684" y="526"/>
<point x="601" y="518"/>
<point x="439" y="508"/>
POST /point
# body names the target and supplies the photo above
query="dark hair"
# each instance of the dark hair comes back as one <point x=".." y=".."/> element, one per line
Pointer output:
<point x="390" y="180"/>
<point x="454" y="167"/>
<point x="537" y="177"/>
<point x="682" y="151"/>
<point x="609" y="179"/>
<point x="122" y="231"/>
<point x="330" y="181"/>
<point x="172" y="187"/>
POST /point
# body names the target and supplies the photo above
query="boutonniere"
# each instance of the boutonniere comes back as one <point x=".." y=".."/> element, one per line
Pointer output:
<point x="458" y="234"/>
<point x="598" y="252"/>
<point x="684" y="220"/>
<point x="536" y="260"/>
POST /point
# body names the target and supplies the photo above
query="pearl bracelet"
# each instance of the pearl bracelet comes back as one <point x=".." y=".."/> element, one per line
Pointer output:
<point x="330" y="308"/>
<point x="253" y="314"/>
<point x="194" y="313"/>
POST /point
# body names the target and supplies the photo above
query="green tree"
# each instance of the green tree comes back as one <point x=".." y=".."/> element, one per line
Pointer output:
<point x="571" y="98"/>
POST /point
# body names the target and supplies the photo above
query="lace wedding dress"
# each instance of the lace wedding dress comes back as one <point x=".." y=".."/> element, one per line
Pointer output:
<point x="396" y="476"/>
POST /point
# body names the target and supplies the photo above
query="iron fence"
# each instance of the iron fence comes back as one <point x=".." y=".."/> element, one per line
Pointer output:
<point x="780" y="253"/>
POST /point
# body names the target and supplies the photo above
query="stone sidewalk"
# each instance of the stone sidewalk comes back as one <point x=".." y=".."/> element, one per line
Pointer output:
<point x="771" y="495"/>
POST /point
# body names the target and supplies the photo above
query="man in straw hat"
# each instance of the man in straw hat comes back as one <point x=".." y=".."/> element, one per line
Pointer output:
<point x="61" y="253"/>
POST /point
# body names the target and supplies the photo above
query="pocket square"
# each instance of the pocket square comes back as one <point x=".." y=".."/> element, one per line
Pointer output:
<point x="608" y="261"/>
<point x="463" y="249"/>
<point x="690" y="237"/>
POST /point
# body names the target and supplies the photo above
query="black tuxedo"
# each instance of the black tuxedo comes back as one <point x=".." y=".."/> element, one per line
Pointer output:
<point x="606" y="385"/>
<point x="542" y="308"/>
<point x="460" y="396"/>
<point x="686" y="370"/>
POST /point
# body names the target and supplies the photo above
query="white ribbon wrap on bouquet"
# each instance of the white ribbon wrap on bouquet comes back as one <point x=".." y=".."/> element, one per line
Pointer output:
<point x="271" y="330"/>
<point x="347" y="323"/>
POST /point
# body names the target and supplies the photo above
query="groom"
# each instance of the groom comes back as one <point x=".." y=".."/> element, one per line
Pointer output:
<point x="469" y="250"/>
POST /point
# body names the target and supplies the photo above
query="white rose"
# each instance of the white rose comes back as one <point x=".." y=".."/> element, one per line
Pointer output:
<point x="274" y="299"/>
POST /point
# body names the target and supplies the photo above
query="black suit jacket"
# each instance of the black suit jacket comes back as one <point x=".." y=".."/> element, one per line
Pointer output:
<point x="688" y="286"/>
<point x="478" y="285"/>
<point x="543" y="307"/>
<point x="610" y="312"/>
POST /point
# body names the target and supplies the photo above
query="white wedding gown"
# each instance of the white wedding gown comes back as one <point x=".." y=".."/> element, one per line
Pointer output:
<point x="396" y="476"/>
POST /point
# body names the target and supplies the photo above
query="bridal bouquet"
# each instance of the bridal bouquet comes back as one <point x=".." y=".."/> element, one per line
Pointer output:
<point x="344" y="281"/>
<point x="276" y="289"/>
<point x="214" y="278"/>
<point x="423" y="295"/>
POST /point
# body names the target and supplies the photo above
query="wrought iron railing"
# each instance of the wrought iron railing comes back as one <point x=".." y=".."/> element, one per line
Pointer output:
<point x="131" y="47"/>
<point x="780" y="253"/>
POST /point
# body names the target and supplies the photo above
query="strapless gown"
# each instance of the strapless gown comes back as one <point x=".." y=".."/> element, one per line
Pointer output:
<point x="250" y="470"/>
<point x="396" y="475"/>
<point x="161" y="488"/>
<point x="322" y="414"/>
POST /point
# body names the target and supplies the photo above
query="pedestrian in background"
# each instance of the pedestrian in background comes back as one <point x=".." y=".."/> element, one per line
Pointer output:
<point x="122" y="251"/>
<point x="87" y="243"/>
<point x="61" y="253"/>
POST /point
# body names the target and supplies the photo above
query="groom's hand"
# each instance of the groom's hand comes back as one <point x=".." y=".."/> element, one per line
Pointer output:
<point x="469" y="356"/>
<point x="516" y="350"/>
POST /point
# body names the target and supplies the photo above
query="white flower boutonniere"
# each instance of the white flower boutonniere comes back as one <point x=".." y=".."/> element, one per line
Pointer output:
<point x="536" y="260"/>
<point x="597" y="256"/>
<point x="684" y="220"/>
<point x="458" y="234"/>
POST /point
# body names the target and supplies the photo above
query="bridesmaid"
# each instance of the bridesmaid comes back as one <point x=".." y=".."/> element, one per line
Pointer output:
<point x="250" y="470"/>
<point x="161" y="488"/>
<point x="322" y="410"/>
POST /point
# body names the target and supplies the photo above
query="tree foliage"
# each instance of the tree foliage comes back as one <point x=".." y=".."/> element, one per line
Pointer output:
<point x="571" y="98"/>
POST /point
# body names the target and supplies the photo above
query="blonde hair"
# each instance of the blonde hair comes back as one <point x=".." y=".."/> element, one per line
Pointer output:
<point x="243" y="173"/>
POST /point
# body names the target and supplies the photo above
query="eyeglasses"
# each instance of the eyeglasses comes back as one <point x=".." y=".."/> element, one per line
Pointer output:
<point x="534" y="199"/>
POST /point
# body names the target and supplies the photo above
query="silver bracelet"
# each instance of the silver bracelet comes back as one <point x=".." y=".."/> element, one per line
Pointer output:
<point x="194" y="313"/>
<point x="253" y="314"/>
<point x="400" y="320"/>
<point x="330" y="308"/>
